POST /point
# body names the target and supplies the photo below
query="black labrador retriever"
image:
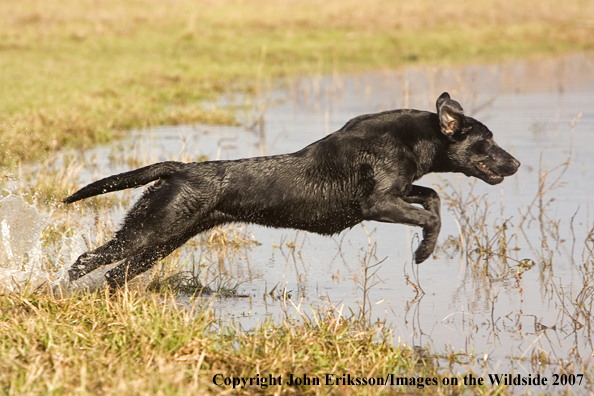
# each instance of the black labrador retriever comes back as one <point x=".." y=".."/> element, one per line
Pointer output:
<point x="364" y="171"/>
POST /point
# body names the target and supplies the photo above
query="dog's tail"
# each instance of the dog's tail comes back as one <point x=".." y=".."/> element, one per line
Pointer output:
<point x="135" y="178"/>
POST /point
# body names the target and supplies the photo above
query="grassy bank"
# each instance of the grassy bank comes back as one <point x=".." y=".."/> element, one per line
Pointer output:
<point x="78" y="73"/>
<point x="137" y="345"/>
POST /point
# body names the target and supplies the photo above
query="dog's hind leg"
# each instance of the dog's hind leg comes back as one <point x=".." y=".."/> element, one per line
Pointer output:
<point x="393" y="209"/>
<point x="136" y="265"/>
<point x="144" y="260"/>
<point x="113" y="251"/>
<point x="429" y="199"/>
<point x="166" y="212"/>
<point x="137" y="233"/>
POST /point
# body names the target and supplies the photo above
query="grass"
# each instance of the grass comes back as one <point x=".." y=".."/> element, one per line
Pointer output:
<point x="74" y="74"/>
<point x="136" y="344"/>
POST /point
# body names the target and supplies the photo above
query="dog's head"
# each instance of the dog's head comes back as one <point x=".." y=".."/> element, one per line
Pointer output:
<point x="471" y="149"/>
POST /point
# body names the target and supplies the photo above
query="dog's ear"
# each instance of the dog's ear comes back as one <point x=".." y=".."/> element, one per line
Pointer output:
<point x="451" y="114"/>
<point x="442" y="98"/>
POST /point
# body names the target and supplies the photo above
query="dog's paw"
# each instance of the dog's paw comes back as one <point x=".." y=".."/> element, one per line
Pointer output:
<point x="423" y="252"/>
<point x="75" y="272"/>
<point x="114" y="281"/>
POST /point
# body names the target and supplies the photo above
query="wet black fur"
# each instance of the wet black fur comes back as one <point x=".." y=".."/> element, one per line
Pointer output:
<point x="364" y="171"/>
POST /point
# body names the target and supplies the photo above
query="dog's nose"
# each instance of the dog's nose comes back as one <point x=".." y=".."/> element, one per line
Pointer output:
<point x="512" y="166"/>
<point x="516" y="164"/>
<point x="509" y="166"/>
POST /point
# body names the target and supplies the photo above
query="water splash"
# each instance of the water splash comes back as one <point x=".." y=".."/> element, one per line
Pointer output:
<point x="23" y="261"/>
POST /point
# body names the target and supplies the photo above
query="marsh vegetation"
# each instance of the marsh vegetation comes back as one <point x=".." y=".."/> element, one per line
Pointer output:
<point x="510" y="288"/>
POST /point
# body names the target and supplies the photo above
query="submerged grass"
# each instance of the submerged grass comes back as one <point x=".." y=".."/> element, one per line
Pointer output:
<point x="133" y="344"/>
<point x="79" y="73"/>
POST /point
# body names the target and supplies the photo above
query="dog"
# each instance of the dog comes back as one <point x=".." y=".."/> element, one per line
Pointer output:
<point x="364" y="171"/>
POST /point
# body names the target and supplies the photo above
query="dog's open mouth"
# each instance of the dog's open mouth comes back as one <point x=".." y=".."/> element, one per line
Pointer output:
<point x="492" y="177"/>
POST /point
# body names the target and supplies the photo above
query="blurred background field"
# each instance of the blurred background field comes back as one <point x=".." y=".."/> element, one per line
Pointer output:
<point x="77" y="73"/>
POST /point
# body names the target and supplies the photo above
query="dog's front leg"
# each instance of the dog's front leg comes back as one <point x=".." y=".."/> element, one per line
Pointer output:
<point x="429" y="199"/>
<point x="392" y="209"/>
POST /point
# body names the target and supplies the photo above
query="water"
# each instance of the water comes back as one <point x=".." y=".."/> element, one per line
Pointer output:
<point x="24" y="262"/>
<point x="520" y="314"/>
<point x="20" y="240"/>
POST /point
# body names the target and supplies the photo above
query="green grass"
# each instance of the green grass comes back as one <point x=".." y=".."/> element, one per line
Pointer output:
<point x="136" y="344"/>
<point x="74" y="74"/>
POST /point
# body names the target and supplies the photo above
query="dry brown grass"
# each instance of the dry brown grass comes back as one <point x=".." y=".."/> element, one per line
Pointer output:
<point x="136" y="345"/>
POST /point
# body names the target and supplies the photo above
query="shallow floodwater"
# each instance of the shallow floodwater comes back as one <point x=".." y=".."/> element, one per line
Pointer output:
<point x="517" y="311"/>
